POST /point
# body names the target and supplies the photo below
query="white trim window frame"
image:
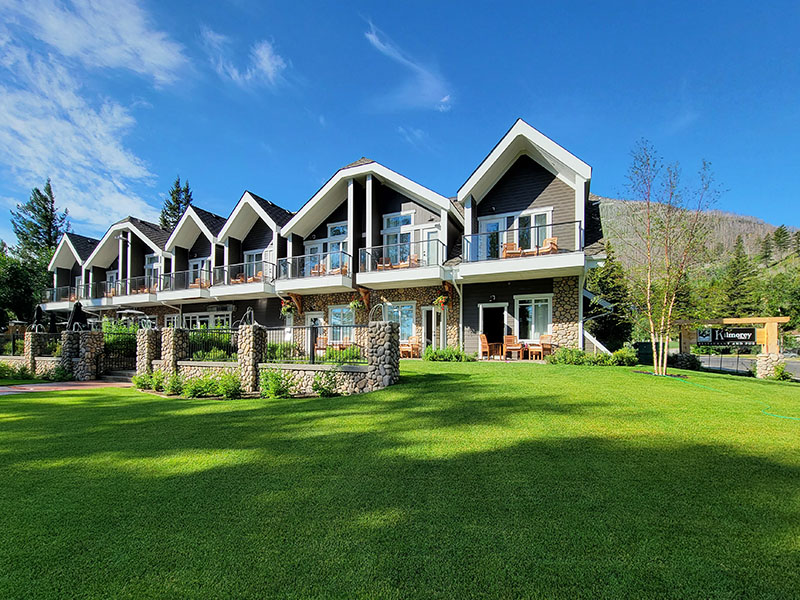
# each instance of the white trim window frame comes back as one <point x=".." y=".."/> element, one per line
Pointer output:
<point x="340" y="316"/>
<point x="251" y="259"/>
<point x="511" y="233"/>
<point x="536" y="324"/>
<point x="199" y="268"/>
<point x="390" y="309"/>
<point x="398" y="237"/>
<point x="171" y="321"/>
<point x="152" y="267"/>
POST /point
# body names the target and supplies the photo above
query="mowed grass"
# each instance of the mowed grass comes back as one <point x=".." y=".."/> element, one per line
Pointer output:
<point x="466" y="480"/>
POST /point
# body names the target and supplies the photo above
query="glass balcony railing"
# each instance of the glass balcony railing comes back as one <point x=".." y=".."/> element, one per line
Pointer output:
<point x="536" y="240"/>
<point x="63" y="293"/>
<point x="315" y="265"/>
<point x="251" y="272"/>
<point x="193" y="279"/>
<point x="145" y="284"/>
<point x="406" y="255"/>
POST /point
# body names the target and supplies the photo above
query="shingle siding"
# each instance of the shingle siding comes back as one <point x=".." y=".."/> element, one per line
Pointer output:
<point x="258" y="238"/>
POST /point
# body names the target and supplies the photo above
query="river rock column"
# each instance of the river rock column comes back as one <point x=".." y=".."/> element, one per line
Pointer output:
<point x="766" y="363"/>
<point x="566" y="303"/>
<point x="35" y="343"/>
<point x="383" y="355"/>
<point x="70" y="349"/>
<point x="250" y="349"/>
<point x="174" y="347"/>
<point x="89" y="355"/>
<point x="146" y="350"/>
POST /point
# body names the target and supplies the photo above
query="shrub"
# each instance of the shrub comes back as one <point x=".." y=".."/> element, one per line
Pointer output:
<point x="7" y="371"/>
<point x="342" y="355"/>
<point x="324" y="384"/>
<point x="684" y="360"/>
<point x="625" y="357"/>
<point x="60" y="374"/>
<point x="215" y="355"/>
<point x="447" y="355"/>
<point x="158" y="378"/>
<point x="201" y="387"/>
<point x="173" y="385"/>
<point x="781" y="374"/>
<point x="276" y="351"/>
<point x="275" y="383"/>
<point x="22" y="372"/>
<point x="15" y="347"/>
<point x="229" y="386"/>
<point x="568" y="356"/>
<point x="143" y="381"/>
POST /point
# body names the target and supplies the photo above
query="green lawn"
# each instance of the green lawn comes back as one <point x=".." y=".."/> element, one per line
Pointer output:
<point x="5" y="382"/>
<point x="466" y="480"/>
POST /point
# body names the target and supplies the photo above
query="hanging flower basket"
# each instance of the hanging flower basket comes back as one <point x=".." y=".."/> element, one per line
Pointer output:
<point x="441" y="301"/>
<point x="356" y="304"/>
<point x="288" y="308"/>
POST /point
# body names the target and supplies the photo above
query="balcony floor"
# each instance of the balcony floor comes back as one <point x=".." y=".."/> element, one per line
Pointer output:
<point x="524" y="267"/>
<point x="324" y="284"/>
<point x="243" y="291"/>
<point x="401" y="278"/>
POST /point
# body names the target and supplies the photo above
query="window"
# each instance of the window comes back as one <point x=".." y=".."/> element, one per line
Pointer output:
<point x="335" y="254"/>
<point x="397" y="236"/>
<point x="528" y="230"/>
<point x="252" y="263"/>
<point x="151" y="267"/>
<point x="403" y="314"/>
<point x="533" y="316"/>
<point x="396" y="221"/>
<point x="111" y="276"/>
<point x="337" y="230"/>
<point x="171" y="320"/>
<point x="206" y="320"/>
<point x="198" y="269"/>
<point x="340" y="317"/>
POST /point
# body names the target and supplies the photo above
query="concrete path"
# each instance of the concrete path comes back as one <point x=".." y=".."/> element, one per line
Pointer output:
<point x="58" y="386"/>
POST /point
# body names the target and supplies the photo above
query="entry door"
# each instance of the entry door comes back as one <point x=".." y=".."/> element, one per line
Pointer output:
<point x="434" y="330"/>
<point x="430" y="249"/>
<point x="490" y="242"/>
<point x="312" y="258"/>
<point x="314" y="319"/>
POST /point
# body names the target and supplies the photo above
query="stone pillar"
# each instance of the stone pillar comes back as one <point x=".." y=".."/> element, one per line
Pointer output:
<point x="91" y="351"/>
<point x="766" y="363"/>
<point x="70" y="349"/>
<point x="250" y="349"/>
<point x="174" y="347"/>
<point x="146" y="349"/>
<point x="35" y="343"/>
<point x="383" y="355"/>
<point x="566" y="303"/>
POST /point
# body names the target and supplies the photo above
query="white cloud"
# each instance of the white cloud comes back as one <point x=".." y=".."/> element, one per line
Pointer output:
<point x="101" y="34"/>
<point x="415" y="137"/>
<point x="424" y="88"/>
<point x="49" y="130"/>
<point x="266" y="65"/>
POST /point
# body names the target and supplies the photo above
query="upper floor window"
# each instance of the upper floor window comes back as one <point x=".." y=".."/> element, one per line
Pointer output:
<point x="395" y="221"/>
<point x="337" y="230"/>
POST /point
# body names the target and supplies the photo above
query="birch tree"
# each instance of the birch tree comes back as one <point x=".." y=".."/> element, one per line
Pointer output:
<point x="666" y="232"/>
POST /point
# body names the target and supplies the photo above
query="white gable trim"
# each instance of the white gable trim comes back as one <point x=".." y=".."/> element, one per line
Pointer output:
<point x="569" y="168"/>
<point x="64" y="240"/>
<point x="250" y="201"/>
<point x="121" y="226"/>
<point x="189" y="213"/>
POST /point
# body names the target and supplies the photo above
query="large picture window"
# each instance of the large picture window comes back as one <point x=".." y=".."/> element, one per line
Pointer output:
<point x="402" y="313"/>
<point x="533" y="316"/>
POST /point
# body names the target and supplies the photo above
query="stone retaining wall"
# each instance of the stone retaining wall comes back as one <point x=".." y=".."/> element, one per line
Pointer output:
<point x="192" y="368"/>
<point x="13" y="361"/>
<point x="91" y="352"/>
<point x="766" y="363"/>
<point x="45" y="365"/>
<point x="350" y="379"/>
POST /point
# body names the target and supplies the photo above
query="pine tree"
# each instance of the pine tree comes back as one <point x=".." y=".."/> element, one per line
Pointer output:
<point x="797" y="242"/>
<point x="781" y="237"/>
<point x="766" y="250"/>
<point x="39" y="225"/>
<point x="739" y="284"/>
<point x="611" y="326"/>
<point x="175" y="204"/>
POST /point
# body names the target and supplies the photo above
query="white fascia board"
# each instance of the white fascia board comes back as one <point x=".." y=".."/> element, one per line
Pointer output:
<point x="540" y="141"/>
<point x="59" y="248"/>
<point x="121" y="226"/>
<point x="250" y="201"/>
<point x="189" y="214"/>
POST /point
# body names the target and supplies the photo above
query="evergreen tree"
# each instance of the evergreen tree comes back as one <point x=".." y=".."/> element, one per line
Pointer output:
<point x="797" y="242"/>
<point x="39" y="225"/>
<point x="611" y="326"/>
<point x="175" y="204"/>
<point x="781" y="237"/>
<point x="766" y="250"/>
<point x="739" y="284"/>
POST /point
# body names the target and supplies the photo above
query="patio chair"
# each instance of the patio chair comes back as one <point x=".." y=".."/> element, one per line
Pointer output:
<point x="256" y="277"/>
<point x="511" y="250"/>
<point x="549" y="246"/>
<point x="546" y="342"/>
<point x="384" y="263"/>
<point x="511" y="344"/>
<point x="410" y="348"/>
<point x="318" y="270"/>
<point x="321" y="345"/>
<point x="196" y="283"/>
<point x="484" y="347"/>
<point x="535" y="352"/>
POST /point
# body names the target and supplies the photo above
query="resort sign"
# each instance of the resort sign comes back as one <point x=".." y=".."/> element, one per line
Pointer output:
<point x="727" y="336"/>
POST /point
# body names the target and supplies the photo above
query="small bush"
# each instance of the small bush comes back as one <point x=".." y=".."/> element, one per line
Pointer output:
<point x="625" y="357"/>
<point x="568" y="356"/>
<point x="16" y="347"/>
<point x="275" y="383"/>
<point x="684" y="360"/>
<point x="447" y="355"/>
<point x="215" y="355"/>
<point x="201" y="387"/>
<point x="276" y="351"/>
<point x="23" y="372"/>
<point x="340" y="356"/>
<point x="173" y="385"/>
<point x="229" y="386"/>
<point x="158" y="378"/>
<point x="143" y="381"/>
<point x="6" y="371"/>
<point x="60" y="374"/>
<point x="324" y="384"/>
<point x="781" y="374"/>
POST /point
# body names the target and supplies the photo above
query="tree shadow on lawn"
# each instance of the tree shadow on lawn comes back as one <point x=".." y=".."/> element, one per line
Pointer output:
<point x="341" y="497"/>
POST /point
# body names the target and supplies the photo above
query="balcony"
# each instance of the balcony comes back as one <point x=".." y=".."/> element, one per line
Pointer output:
<point x="134" y="290"/>
<point x="185" y="285"/>
<point x="243" y="280"/>
<point x="408" y="264"/>
<point x="96" y="294"/>
<point x="315" y="273"/>
<point x="59" y="298"/>
<point x="551" y="250"/>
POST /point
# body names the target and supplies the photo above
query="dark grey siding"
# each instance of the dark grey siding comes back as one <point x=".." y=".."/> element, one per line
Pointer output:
<point x="219" y="254"/>
<point x="526" y="185"/>
<point x="181" y="259"/>
<point x="258" y="238"/>
<point x="337" y="216"/>
<point x="235" y="256"/>
<point x="280" y="248"/>
<point x="389" y="201"/>
<point x="297" y="245"/>
<point x="454" y="233"/>
<point x="359" y="221"/>
<point x="63" y="277"/>
<point x="201" y="247"/>
<point x="98" y="274"/>
<point x="484" y="293"/>
<point x="138" y="250"/>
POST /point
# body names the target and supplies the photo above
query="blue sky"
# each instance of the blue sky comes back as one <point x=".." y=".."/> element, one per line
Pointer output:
<point x="112" y="100"/>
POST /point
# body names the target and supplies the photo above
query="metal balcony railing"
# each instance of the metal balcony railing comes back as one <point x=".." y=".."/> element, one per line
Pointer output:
<point x="193" y="279"/>
<point x="405" y="255"/>
<point x="252" y="272"/>
<point x="315" y="265"/>
<point x="536" y="240"/>
<point x="64" y="293"/>
<point x="145" y="284"/>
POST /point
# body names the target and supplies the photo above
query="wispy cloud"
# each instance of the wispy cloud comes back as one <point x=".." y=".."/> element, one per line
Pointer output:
<point x="423" y="88"/>
<point x="265" y="66"/>
<point x="416" y="137"/>
<point x="101" y="34"/>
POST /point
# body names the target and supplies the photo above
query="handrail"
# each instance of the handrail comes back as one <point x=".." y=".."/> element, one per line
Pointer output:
<point x="402" y="255"/>
<point x="249" y="272"/>
<point x="315" y="265"/>
<point x="535" y="240"/>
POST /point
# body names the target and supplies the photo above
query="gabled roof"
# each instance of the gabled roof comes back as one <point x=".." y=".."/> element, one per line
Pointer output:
<point x="251" y="207"/>
<point x="154" y="236"/>
<point x="524" y="139"/>
<point x="82" y="245"/>
<point x="212" y="221"/>
<point x="315" y="210"/>
<point x="193" y="222"/>
<point x="78" y="246"/>
<point x="151" y="231"/>
<point x="281" y="216"/>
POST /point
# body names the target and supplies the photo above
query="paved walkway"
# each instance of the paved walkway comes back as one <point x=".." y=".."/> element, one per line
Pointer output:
<point x="58" y="386"/>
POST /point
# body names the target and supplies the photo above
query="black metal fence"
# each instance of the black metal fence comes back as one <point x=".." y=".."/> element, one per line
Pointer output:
<point x="316" y="344"/>
<point x="119" y="350"/>
<point x="12" y="344"/>
<point x="216" y="345"/>
<point x="51" y="345"/>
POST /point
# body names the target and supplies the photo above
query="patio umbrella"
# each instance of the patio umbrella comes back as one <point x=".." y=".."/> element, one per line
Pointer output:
<point x="53" y="327"/>
<point x="38" y="319"/>
<point x="77" y="318"/>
